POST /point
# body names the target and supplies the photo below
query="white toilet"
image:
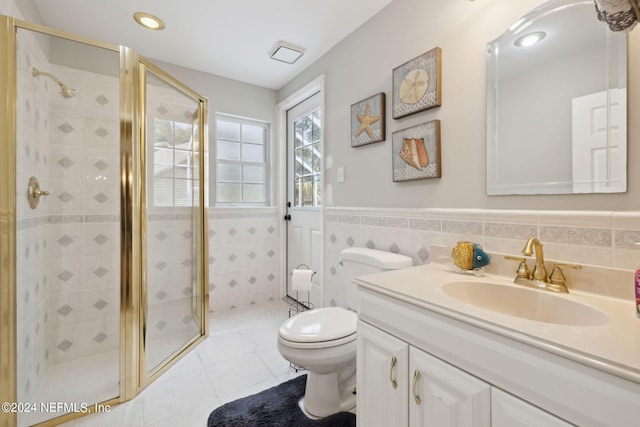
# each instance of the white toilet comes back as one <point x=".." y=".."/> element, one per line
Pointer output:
<point x="323" y="340"/>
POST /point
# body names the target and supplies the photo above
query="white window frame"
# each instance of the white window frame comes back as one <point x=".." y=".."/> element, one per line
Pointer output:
<point x="266" y="163"/>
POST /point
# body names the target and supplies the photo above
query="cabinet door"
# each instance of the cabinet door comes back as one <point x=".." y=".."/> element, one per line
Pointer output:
<point x="382" y="382"/>
<point x="442" y="395"/>
<point x="509" y="411"/>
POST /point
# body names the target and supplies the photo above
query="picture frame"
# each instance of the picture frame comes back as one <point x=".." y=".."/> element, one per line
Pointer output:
<point x="368" y="120"/>
<point x="417" y="84"/>
<point x="416" y="152"/>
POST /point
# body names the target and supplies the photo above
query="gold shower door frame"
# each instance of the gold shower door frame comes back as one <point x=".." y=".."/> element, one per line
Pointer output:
<point x="133" y="222"/>
<point x="199" y="308"/>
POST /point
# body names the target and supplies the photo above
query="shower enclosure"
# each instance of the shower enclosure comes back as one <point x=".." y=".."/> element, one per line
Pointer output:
<point x="102" y="223"/>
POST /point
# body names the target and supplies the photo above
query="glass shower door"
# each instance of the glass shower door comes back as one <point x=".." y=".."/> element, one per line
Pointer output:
<point x="68" y="242"/>
<point x="174" y="196"/>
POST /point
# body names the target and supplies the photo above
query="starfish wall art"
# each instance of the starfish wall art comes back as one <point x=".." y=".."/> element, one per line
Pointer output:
<point x="368" y="120"/>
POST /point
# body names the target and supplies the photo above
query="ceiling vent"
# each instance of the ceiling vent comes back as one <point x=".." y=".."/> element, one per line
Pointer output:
<point x="286" y="52"/>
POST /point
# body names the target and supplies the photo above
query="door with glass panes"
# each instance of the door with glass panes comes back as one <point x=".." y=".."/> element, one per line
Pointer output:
<point x="304" y="194"/>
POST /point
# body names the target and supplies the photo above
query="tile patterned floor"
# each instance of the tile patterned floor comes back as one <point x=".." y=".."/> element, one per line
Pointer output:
<point x="240" y="357"/>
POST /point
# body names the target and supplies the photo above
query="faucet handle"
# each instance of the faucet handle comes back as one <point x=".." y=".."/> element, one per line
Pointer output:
<point x="523" y="270"/>
<point x="557" y="276"/>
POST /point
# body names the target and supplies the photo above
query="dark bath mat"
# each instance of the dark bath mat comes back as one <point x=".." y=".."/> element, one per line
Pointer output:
<point x="275" y="407"/>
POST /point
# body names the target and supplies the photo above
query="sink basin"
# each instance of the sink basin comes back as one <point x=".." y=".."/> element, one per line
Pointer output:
<point x="526" y="303"/>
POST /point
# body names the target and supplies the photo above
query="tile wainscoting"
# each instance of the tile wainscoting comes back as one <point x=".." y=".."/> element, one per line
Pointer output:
<point x="603" y="239"/>
<point x="244" y="257"/>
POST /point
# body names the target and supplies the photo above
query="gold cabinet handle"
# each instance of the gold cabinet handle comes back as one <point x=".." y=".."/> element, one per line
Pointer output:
<point x="416" y="377"/>
<point x="394" y="363"/>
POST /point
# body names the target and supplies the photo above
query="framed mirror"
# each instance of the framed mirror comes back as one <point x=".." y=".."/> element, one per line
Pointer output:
<point x="556" y="104"/>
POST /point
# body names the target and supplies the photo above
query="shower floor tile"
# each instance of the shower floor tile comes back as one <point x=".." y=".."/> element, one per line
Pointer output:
<point x="240" y="357"/>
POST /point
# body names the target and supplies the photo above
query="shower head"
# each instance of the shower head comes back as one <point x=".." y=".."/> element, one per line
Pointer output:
<point x="66" y="91"/>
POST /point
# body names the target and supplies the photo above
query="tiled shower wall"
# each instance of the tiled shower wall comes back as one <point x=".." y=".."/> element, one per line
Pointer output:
<point x="68" y="247"/>
<point x="83" y="291"/>
<point x="606" y="239"/>
<point x="244" y="257"/>
<point x="32" y="225"/>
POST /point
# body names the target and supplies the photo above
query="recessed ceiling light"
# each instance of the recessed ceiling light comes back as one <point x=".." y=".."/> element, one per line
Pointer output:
<point x="149" y="21"/>
<point x="530" y="39"/>
<point x="286" y="52"/>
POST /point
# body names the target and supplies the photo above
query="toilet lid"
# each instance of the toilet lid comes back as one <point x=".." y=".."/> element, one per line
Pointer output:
<point x="322" y="324"/>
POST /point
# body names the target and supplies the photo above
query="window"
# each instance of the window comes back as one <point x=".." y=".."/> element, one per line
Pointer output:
<point x="175" y="163"/>
<point x="307" y="158"/>
<point x="241" y="166"/>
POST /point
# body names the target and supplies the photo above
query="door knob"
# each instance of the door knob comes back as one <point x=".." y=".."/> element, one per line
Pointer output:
<point x="287" y="217"/>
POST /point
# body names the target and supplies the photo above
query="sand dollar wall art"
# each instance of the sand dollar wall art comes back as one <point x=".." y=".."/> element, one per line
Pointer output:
<point x="368" y="120"/>
<point x="416" y="152"/>
<point x="416" y="84"/>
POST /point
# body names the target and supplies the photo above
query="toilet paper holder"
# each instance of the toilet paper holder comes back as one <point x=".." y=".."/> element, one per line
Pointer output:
<point x="300" y="267"/>
<point x="300" y="304"/>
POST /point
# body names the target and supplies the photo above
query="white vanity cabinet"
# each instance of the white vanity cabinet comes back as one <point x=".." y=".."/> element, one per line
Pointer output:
<point x="382" y="378"/>
<point x="470" y="375"/>
<point x="400" y="385"/>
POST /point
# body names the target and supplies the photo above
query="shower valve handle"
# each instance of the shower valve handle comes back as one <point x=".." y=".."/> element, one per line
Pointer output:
<point x="34" y="192"/>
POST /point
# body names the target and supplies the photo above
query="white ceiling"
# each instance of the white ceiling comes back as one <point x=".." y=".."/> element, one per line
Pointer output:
<point x="229" y="38"/>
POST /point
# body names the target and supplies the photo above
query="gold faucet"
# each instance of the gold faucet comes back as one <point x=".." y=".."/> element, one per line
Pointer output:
<point x="538" y="278"/>
<point x="539" y="272"/>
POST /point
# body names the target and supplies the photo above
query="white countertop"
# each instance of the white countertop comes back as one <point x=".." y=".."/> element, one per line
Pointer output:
<point x="612" y="347"/>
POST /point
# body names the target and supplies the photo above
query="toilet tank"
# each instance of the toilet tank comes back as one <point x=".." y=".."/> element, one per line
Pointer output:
<point x="360" y="261"/>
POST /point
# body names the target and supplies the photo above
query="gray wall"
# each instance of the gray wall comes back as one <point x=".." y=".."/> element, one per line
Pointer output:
<point x="362" y="64"/>
<point x="226" y="95"/>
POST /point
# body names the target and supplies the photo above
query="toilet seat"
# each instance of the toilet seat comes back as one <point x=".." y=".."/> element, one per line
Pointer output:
<point x="322" y="327"/>
<point x="319" y="344"/>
